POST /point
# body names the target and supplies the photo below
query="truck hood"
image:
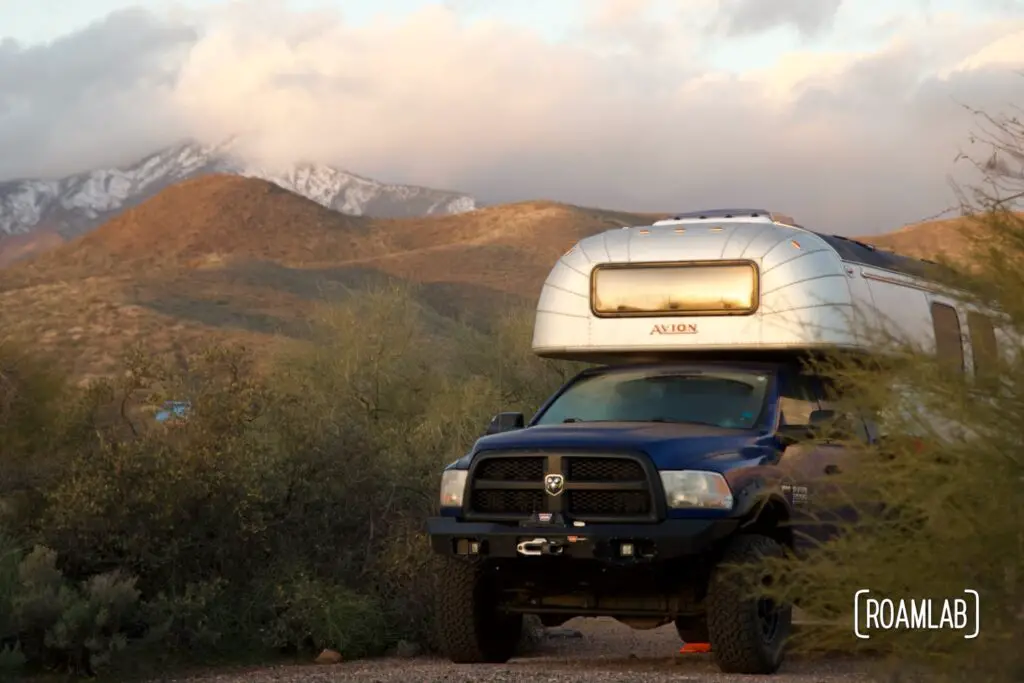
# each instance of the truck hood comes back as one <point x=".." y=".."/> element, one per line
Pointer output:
<point x="669" y="445"/>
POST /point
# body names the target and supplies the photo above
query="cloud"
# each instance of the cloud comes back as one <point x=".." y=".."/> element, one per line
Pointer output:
<point x="740" y="17"/>
<point x="851" y="142"/>
<point x="108" y="86"/>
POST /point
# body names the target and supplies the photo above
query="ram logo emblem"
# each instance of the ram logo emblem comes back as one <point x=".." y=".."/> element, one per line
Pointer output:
<point x="554" y="484"/>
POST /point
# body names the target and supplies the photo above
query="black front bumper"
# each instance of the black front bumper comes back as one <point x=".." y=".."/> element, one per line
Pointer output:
<point x="651" y="542"/>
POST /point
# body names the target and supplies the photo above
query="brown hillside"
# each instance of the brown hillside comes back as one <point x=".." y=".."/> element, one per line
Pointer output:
<point x="954" y="238"/>
<point x="14" y="248"/>
<point x="224" y="257"/>
<point x="215" y="218"/>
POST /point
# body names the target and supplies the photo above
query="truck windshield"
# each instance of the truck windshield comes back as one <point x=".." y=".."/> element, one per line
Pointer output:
<point x="721" y="398"/>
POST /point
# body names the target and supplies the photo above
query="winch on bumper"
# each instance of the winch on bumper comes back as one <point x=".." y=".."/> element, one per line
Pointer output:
<point x="609" y="542"/>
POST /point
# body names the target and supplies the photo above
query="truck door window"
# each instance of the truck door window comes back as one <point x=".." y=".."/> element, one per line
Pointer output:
<point x="797" y="399"/>
<point x="849" y="423"/>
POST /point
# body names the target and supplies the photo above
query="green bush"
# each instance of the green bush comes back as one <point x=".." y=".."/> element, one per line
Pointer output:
<point x="937" y="512"/>
<point x="940" y="498"/>
<point x="11" y="656"/>
<point x="314" y="614"/>
<point x="283" y="514"/>
<point x="52" y="621"/>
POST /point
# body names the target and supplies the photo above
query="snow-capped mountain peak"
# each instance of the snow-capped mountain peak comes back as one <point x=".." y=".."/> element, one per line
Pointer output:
<point x="81" y="202"/>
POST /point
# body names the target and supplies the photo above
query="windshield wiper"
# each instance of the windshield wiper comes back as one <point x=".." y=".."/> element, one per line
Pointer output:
<point x="661" y="420"/>
<point x="668" y="421"/>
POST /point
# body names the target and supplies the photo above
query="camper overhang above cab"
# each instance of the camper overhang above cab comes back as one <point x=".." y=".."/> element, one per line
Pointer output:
<point x="722" y="280"/>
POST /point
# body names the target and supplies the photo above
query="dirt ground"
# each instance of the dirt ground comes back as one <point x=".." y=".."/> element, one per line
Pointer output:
<point x="603" y="651"/>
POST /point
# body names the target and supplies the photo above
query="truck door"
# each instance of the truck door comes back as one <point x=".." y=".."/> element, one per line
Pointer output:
<point x="808" y="466"/>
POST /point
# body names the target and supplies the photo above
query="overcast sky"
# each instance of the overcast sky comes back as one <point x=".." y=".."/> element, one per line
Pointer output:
<point x="847" y="118"/>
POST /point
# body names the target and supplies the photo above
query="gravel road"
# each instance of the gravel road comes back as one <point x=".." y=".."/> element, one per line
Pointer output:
<point x="606" y="651"/>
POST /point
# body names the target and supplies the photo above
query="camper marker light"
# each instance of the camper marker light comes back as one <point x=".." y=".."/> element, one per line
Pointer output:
<point x="690" y="489"/>
<point x="453" y="487"/>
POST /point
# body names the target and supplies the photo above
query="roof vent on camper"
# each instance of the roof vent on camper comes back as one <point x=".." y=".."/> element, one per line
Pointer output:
<point x="731" y="213"/>
<point x="722" y="213"/>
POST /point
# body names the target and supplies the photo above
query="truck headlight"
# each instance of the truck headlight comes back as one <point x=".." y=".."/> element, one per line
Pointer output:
<point x="689" y="489"/>
<point x="453" y="488"/>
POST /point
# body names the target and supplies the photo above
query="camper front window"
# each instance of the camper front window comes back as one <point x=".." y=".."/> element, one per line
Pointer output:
<point x="723" y="288"/>
<point x="719" y="398"/>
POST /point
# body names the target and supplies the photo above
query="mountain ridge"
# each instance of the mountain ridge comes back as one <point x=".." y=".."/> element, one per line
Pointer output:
<point x="75" y="204"/>
<point x="228" y="259"/>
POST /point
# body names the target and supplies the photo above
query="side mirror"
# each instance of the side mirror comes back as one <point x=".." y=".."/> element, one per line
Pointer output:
<point x="832" y="425"/>
<point x="820" y="417"/>
<point x="505" y="422"/>
<point x="791" y="434"/>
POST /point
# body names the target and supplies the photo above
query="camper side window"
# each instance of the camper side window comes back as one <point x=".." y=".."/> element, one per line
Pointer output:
<point x="948" y="344"/>
<point x="984" y="348"/>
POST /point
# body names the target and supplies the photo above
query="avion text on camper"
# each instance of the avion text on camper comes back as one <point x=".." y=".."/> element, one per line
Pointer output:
<point x="674" y="328"/>
<point x="873" y="613"/>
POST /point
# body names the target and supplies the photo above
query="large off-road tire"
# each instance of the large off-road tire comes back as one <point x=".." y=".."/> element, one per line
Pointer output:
<point x="471" y="630"/>
<point x="747" y="634"/>
<point x="692" y="629"/>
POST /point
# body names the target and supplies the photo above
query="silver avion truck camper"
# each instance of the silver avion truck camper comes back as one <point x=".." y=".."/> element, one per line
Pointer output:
<point x="682" y="448"/>
<point x="743" y="280"/>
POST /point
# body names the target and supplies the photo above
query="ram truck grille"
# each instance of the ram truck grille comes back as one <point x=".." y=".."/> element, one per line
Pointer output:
<point x="594" y="488"/>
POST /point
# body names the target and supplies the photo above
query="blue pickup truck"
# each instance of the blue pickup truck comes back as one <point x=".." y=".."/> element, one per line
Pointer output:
<point x="622" y="496"/>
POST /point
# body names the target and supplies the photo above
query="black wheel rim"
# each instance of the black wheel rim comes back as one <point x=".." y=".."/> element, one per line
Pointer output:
<point x="768" y="616"/>
<point x="768" y="619"/>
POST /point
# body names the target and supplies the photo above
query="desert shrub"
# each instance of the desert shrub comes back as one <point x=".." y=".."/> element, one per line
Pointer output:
<point x="78" y="626"/>
<point x="522" y="380"/>
<point x="938" y="511"/>
<point x="170" y="505"/>
<point x="11" y="656"/>
<point x="30" y="391"/>
<point x="420" y="389"/>
<point x="316" y="613"/>
<point x="36" y="420"/>
<point x="192" y="620"/>
<point x="283" y="513"/>
<point x="939" y="498"/>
